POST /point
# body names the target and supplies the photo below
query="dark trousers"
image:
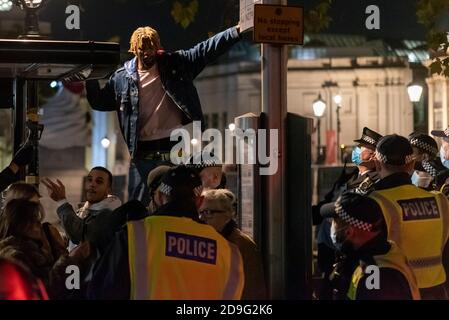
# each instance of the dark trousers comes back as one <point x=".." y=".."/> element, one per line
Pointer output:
<point x="143" y="162"/>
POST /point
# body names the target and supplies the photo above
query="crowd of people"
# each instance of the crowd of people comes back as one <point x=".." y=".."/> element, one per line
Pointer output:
<point x="169" y="241"/>
<point x="184" y="245"/>
<point x="177" y="236"/>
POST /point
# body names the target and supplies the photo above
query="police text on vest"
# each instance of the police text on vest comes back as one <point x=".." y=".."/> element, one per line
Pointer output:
<point x="419" y="209"/>
<point x="185" y="246"/>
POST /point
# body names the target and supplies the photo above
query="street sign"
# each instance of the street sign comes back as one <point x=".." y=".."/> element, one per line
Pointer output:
<point x="278" y="24"/>
<point x="247" y="14"/>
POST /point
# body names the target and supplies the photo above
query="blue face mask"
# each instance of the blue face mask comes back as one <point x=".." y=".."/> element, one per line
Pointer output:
<point x="444" y="161"/>
<point x="415" y="178"/>
<point x="421" y="181"/>
<point x="356" y="153"/>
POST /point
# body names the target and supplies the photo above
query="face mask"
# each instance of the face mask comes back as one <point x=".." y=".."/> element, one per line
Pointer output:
<point x="356" y="153"/>
<point x="444" y="161"/>
<point x="422" y="181"/>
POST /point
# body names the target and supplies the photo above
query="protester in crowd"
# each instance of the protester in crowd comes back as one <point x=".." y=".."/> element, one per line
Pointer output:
<point x="94" y="221"/>
<point x="52" y="240"/>
<point x="154" y="94"/>
<point x="21" y="239"/>
<point x="219" y="210"/>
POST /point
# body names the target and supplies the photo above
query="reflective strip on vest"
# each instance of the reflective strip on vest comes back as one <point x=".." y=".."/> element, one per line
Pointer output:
<point x="393" y="259"/>
<point x="392" y="220"/>
<point x="136" y="230"/>
<point x="355" y="280"/>
<point x="421" y="238"/>
<point x="444" y="203"/>
<point x="234" y="274"/>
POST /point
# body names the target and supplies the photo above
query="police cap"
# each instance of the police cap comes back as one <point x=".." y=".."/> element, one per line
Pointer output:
<point x="155" y="176"/>
<point x="369" y="138"/>
<point x="357" y="210"/>
<point x="202" y="160"/>
<point x="441" y="133"/>
<point x="181" y="182"/>
<point x="395" y="150"/>
<point x="424" y="142"/>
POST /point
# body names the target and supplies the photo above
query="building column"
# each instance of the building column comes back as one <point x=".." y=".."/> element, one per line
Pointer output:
<point x="430" y="105"/>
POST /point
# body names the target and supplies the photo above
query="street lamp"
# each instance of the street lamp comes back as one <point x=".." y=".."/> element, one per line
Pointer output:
<point x="5" y="5"/>
<point x="338" y="99"/>
<point x="414" y="92"/>
<point x="31" y="7"/>
<point x="319" y="106"/>
<point x="105" y="142"/>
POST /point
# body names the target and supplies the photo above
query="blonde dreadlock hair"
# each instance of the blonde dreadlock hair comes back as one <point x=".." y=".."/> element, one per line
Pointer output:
<point x="143" y="35"/>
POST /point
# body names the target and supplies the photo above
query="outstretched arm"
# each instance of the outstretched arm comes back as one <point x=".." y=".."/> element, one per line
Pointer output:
<point x="207" y="51"/>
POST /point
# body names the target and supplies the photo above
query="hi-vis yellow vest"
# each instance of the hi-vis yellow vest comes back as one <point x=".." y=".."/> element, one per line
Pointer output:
<point x="393" y="259"/>
<point x="176" y="258"/>
<point x="418" y="221"/>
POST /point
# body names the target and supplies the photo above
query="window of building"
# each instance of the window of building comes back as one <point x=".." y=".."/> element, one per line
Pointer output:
<point x="225" y="120"/>
<point x="215" y="123"/>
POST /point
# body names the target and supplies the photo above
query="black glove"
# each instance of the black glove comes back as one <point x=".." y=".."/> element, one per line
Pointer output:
<point x="24" y="155"/>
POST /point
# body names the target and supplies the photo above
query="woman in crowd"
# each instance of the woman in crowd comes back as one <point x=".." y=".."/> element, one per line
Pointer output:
<point x="23" y="238"/>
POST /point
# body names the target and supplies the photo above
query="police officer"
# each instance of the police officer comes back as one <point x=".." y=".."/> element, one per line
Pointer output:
<point x="444" y="149"/>
<point x="153" y="182"/>
<point x="360" y="180"/>
<point x="427" y="162"/>
<point x="362" y="156"/>
<point x="442" y="178"/>
<point x="359" y="230"/>
<point x="170" y="255"/>
<point x="417" y="220"/>
<point x="210" y="169"/>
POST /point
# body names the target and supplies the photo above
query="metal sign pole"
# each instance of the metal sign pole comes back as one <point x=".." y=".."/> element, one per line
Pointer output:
<point x="274" y="105"/>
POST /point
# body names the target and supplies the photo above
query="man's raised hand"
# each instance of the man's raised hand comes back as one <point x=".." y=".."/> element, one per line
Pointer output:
<point x="56" y="191"/>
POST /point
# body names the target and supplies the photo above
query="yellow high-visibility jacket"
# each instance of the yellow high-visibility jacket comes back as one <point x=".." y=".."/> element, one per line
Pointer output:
<point x="176" y="258"/>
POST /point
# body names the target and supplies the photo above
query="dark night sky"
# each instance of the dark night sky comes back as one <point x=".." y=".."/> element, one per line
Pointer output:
<point x="103" y="19"/>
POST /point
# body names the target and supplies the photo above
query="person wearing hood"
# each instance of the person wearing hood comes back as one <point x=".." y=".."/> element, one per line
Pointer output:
<point x="427" y="161"/>
<point x="153" y="94"/>
<point x="94" y="221"/>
